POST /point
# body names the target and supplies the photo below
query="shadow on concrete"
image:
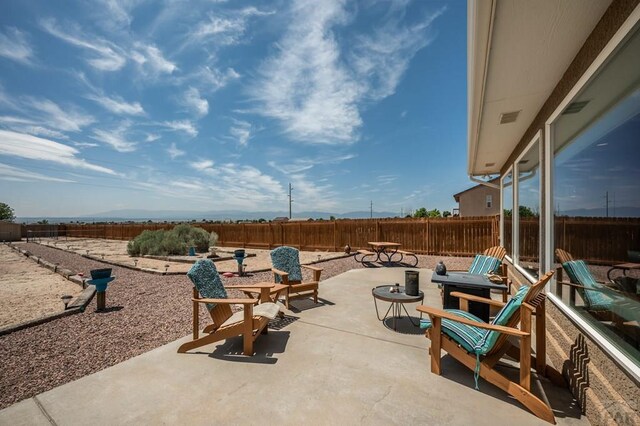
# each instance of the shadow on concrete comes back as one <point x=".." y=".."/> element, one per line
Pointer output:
<point x="265" y="347"/>
<point x="109" y="309"/>
<point x="300" y="305"/>
<point x="279" y="323"/>
<point x="404" y="325"/>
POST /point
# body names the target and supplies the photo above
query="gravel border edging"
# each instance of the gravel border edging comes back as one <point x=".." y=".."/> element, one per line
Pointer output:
<point x="76" y="306"/>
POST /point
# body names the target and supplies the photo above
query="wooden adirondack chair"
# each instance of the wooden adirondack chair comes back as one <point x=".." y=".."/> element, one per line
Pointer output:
<point x="248" y="323"/>
<point x="481" y="266"/>
<point x="287" y="270"/>
<point x="479" y="345"/>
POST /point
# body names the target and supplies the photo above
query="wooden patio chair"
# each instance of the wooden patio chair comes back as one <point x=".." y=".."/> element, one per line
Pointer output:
<point x="287" y="270"/>
<point x="248" y="323"/>
<point x="491" y="262"/>
<point x="605" y="302"/>
<point x="479" y="345"/>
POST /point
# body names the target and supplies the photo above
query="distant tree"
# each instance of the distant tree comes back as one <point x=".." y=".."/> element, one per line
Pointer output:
<point x="507" y="212"/>
<point x="525" y="211"/>
<point x="408" y="216"/>
<point x="262" y="220"/>
<point x="43" y="222"/>
<point x="421" y="212"/>
<point x="7" y="213"/>
<point x="446" y="213"/>
<point x="332" y="218"/>
<point x="434" y="213"/>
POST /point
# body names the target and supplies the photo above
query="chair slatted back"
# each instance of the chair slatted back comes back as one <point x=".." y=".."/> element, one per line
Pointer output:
<point x="207" y="284"/>
<point x="287" y="259"/>
<point x="563" y="256"/>
<point x="534" y="297"/>
<point x="498" y="252"/>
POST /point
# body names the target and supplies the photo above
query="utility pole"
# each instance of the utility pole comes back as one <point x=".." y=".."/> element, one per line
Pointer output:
<point x="290" y="199"/>
<point x="371" y="209"/>
<point x="606" y="196"/>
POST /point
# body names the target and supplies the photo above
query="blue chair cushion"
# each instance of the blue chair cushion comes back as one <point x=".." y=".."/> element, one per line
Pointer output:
<point x="484" y="265"/>
<point x="287" y="260"/>
<point x="579" y="273"/>
<point x="502" y="318"/>
<point x="204" y="276"/>
<point x="465" y="335"/>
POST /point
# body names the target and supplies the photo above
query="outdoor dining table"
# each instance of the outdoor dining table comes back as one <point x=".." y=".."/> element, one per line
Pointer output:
<point x="624" y="267"/>
<point x="384" y="248"/>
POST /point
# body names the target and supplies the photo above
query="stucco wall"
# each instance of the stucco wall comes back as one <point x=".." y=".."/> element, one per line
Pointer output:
<point x="473" y="202"/>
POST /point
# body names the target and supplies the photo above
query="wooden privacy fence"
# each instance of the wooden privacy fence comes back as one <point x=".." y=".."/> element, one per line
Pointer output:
<point x="443" y="236"/>
<point x="596" y="240"/>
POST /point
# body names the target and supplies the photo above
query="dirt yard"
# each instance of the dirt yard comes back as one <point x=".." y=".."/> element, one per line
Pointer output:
<point x="116" y="252"/>
<point x="29" y="291"/>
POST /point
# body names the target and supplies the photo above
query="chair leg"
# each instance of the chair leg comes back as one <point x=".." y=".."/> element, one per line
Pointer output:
<point x="202" y="341"/>
<point x="436" y="340"/>
<point x="315" y="296"/>
<point x="247" y="332"/>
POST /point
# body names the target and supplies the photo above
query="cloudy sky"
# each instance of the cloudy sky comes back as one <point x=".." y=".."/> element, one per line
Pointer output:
<point x="218" y="105"/>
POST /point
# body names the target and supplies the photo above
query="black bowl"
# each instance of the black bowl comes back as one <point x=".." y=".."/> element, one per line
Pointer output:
<point x="100" y="273"/>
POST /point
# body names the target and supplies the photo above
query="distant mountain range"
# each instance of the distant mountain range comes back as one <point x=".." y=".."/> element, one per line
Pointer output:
<point x="176" y="215"/>
<point x="602" y="212"/>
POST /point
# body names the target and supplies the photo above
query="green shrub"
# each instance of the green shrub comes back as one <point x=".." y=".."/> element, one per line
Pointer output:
<point x="173" y="242"/>
<point x="213" y="239"/>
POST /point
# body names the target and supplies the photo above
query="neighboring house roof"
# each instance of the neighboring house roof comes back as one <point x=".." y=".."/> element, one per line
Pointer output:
<point x="281" y="219"/>
<point x="457" y="196"/>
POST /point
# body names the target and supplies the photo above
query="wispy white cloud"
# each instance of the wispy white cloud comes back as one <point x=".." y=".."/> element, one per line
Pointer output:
<point x="32" y="127"/>
<point x="11" y="173"/>
<point x="116" y="137"/>
<point x="106" y="55"/>
<point x="152" y="137"/>
<point x="174" y="152"/>
<point x="224" y="28"/>
<point x="305" y="85"/>
<point x="202" y="165"/>
<point x="35" y="148"/>
<point x="15" y="46"/>
<point x="208" y="79"/>
<point x="241" y="132"/>
<point x="316" y="87"/>
<point x="117" y="105"/>
<point x="67" y="119"/>
<point x="298" y="165"/>
<point x="181" y="125"/>
<point x="151" y="60"/>
<point x="194" y="102"/>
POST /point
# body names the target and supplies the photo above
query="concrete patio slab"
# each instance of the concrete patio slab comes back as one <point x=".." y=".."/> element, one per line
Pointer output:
<point x="332" y="363"/>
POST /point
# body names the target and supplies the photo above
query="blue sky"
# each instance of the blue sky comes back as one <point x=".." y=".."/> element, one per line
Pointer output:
<point x="218" y="105"/>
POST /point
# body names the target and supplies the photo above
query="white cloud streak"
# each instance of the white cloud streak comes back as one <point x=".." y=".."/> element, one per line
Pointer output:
<point x="15" y="46"/>
<point x="182" y="126"/>
<point x="116" y="138"/>
<point x="17" y="174"/>
<point x="316" y="89"/>
<point x="107" y="56"/>
<point x="241" y="132"/>
<point x="35" y="148"/>
<point x="117" y="105"/>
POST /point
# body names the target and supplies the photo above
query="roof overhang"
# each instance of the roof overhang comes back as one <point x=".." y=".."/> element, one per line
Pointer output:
<point x="517" y="53"/>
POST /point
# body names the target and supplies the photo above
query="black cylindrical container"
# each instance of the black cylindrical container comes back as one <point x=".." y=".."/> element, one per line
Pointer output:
<point x="238" y="253"/>
<point x="411" y="284"/>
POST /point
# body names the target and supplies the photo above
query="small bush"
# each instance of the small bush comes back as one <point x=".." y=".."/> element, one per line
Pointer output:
<point x="213" y="239"/>
<point x="173" y="242"/>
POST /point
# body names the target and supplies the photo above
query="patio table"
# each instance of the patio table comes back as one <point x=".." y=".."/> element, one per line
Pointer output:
<point x="463" y="282"/>
<point x="397" y="299"/>
<point x="624" y="267"/>
<point x="384" y="248"/>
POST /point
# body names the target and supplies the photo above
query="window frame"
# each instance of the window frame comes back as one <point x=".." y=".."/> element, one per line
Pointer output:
<point x="631" y="24"/>
<point x="502" y="207"/>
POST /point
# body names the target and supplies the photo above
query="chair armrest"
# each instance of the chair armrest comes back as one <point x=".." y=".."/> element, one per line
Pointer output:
<point x="250" y="286"/>
<point x="228" y="301"/>
<point x="601" y="290"/>
<point x="435" y="312"/>
<point x="479" y="299"/>
<point x="279" y="272"/>
<point x="313" y="268"/>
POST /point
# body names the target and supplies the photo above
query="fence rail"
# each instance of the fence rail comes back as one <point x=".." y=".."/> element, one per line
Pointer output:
<point x="597" y="240"/>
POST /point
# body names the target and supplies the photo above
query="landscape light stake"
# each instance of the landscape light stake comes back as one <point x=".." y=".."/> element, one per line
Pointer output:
<point x="166" y="268"/>
<point x="135" y="262"/>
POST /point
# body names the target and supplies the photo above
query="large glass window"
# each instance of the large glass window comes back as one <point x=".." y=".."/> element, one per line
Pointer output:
<point x="507" y="212"/>
<point x="596" y="200"/>
<point x="528" y="187"/>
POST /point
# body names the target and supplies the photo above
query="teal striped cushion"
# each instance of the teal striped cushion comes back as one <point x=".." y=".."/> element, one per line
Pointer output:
<point x="484" y="265"/>
<point x="465" y="335"/>
<point x="579" y="273"/>
<point x="502" y="318"/>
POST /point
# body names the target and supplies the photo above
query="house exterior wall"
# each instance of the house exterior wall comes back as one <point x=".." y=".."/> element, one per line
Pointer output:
<point x="473" y="202"/>
<point x="606" y="392"/>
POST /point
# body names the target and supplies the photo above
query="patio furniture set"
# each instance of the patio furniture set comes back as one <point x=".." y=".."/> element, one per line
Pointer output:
<point x="473" y="340"/>
<point x="385" y="252"/>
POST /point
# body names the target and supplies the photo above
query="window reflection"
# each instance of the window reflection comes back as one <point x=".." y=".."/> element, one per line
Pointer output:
<point x="528" y="169"/>
<point x="596" y="196"/>
<point x="507" y="210"/>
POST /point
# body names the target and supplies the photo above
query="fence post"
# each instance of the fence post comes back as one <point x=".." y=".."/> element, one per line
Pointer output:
<point x="335" y="236"/>
<point x="244" y="235"/>
<point x="299" y="236"/>
<point x="377" y="230"/>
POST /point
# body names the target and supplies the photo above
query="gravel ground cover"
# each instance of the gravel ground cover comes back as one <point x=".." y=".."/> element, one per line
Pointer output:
<point x="144" y="311"/>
